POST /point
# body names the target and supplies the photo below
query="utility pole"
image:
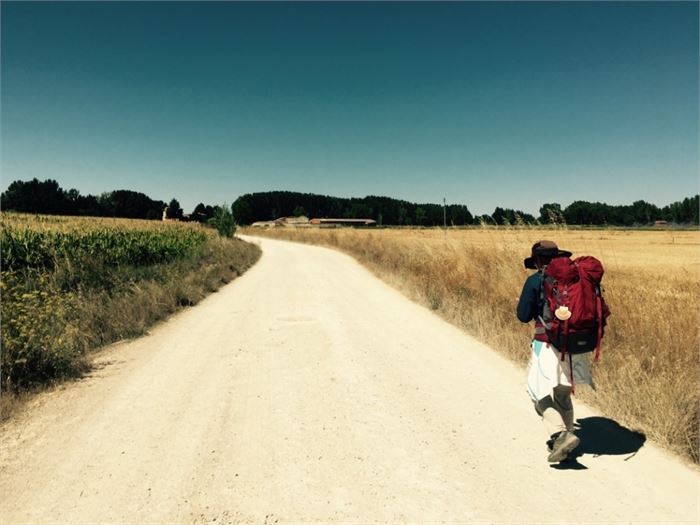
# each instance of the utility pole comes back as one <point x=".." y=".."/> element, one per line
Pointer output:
<point x="444" y="213"/>
<point x="444" y="216"/>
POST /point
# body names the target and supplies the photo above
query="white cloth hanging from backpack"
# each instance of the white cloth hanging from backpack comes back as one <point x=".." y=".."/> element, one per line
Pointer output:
<point x="547" y="370"/>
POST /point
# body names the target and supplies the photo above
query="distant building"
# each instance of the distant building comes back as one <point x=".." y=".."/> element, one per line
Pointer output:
<point x="264" y="224"/>
<point x="294" y="222"/>
<point x="343" y="222"/>
<point x="661" y="224"/>
<point x="304" y="222"/>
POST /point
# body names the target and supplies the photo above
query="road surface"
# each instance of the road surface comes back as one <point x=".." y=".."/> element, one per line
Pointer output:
<point x="308" y="391"/>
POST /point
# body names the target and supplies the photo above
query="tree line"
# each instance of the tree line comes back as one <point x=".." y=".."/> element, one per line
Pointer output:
<point x="48" y="197"/>
<point x="270" y="205"/>
<point x="639" y="212"/>
<point x="266" y="206"/>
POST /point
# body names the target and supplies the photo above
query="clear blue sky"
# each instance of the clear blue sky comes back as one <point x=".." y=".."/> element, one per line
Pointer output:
<point x="487" y="104"/>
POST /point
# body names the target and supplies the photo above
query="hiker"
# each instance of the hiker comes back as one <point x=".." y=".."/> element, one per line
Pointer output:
<point x="550" y="380"/>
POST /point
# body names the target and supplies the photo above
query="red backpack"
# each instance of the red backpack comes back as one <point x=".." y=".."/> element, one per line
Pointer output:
<point x="574" y="312"/>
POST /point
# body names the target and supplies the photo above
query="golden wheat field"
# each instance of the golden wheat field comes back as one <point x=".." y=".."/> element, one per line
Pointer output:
<point x="649" y="374"/>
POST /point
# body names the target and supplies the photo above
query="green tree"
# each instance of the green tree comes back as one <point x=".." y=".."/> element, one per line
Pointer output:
<point x="223" y="221"/>
<point x="485" y="220"/>
<point x="403" y="215"/>
<point x="459" y="215"/>
<point x="202" y="213"/>
<point x="690" y="210"/>
<point x="551" y="213"/>
<point x="35" y="196"/>
<point x="130" y="204"/>
<point x="174" y="210"/>
<point x="501" y="216"/>
<point x="644" y="212"/>
<point x="359" y="210"/>
<point x="242" y="209"/>
<point x="581" y="212"/>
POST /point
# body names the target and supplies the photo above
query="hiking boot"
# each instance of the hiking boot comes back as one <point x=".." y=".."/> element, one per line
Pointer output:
<point x="551" y="440"/>
<point x="565" y="443"/>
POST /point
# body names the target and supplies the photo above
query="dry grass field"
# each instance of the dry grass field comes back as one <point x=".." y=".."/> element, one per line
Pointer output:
<point x="649" y="374"/>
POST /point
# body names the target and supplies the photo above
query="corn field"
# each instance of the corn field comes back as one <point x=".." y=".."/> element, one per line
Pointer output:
<point x="73" y="284"/>
<point x="43" y="242"/>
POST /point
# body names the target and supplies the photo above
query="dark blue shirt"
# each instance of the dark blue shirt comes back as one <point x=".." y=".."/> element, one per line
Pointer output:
<point x="529" y="305"/>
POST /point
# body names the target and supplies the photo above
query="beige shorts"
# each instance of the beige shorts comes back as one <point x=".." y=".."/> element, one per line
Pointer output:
<point x="547" y="370"/>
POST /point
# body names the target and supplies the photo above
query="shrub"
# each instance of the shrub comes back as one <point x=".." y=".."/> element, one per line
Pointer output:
<point x="223" y="221"/>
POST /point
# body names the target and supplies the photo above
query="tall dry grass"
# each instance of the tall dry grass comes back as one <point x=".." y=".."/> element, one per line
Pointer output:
<point x="649" y="374"/>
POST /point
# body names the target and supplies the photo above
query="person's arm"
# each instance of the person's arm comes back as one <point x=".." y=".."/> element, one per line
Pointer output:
<point x="529" y="297"/>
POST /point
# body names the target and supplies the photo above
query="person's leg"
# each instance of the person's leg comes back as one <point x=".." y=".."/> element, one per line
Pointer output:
<point x="562" y="403"/>
<point x="551" y="416"/>
<point x="566" y="441"/>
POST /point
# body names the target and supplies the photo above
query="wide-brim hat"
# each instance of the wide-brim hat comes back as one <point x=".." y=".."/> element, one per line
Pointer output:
<point x="545" y="249"/>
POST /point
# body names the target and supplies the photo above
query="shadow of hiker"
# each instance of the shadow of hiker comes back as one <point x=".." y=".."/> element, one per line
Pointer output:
<point x="601" y="436"/>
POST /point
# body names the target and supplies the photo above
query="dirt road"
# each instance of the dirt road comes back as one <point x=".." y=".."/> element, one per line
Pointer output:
<point x="308" y="391"/>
